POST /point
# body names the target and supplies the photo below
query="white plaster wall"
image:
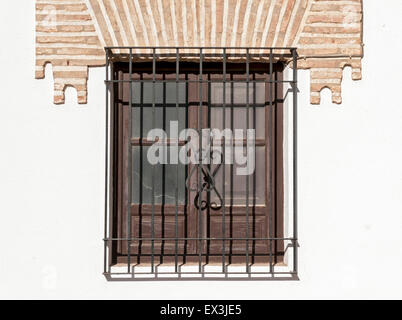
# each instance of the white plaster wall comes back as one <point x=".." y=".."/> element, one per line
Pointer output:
<point x="350" y="181"/>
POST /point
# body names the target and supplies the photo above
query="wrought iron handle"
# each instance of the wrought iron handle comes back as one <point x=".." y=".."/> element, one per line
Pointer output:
<point x="208" y="185"/>
<point x="206" y="204"/>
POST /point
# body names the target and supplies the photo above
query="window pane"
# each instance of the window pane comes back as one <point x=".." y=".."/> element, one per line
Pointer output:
<point x="142" y="116"/>
<point x="239" y="119"/>
<point x="165" y="180"/>
<point x="239" y="93"/>
<point x="171" y="115"/>
<point x="148" y="90"/>
<point x="235" y="187"/>
<point x="171" y="92"/>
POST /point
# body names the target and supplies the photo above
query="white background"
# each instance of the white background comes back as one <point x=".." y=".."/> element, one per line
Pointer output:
<point x="350" y="171"/>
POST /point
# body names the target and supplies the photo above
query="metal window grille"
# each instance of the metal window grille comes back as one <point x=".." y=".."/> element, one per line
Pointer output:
<point x="181" y="267"/>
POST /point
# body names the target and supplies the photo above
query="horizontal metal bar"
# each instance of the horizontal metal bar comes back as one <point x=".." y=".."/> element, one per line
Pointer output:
<point x="213" y="105"/>
<point x="204" y="278"/>
<point x="137" y="142"/>
<point x="157" y="105"/>
<point x="194" y="276"/>
<point x="275" y="276"/>
<point x="204" y="272"/>
<point x="255" y="57"/>
<point x="196" y="255"/>
<point x="196" y="81"/>
<point x="171" y="105"/>
<point x="194" y="238"/>
<point x="197" y="48"/>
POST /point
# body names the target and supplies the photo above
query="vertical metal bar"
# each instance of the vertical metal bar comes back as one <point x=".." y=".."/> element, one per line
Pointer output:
<point x="208" y="209"/>
<point x="295" y="137"/>
<point x="129" y="166"/>
<point x="106" y="243"/>
<point x="271" y="133"/>
<point x="200" y="169"/>
<point x="247" y="176"/>
<point x="140" y="222"/>
<point x="153" y="167"/>
<point x="163" y="175"/>
<point x="176" y="222"/>
<point x="224" y="168"/>
<point x="186" y="194"/>
<point x="255" y="168"/>
<point x="231" y="166"/>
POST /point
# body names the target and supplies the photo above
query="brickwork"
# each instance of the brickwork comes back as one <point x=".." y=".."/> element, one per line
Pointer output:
<point x="71" y="34"/>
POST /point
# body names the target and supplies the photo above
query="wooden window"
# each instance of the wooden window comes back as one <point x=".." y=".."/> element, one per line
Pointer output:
<point x="178" y="229"/>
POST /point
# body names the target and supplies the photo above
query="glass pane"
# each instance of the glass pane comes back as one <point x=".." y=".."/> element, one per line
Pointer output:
<point x="142" y="116"/>
<point x="148" y="90"/>
<point x="165" y="180"/>
<point x="171" y="92"/>
<point x="171" y="115"/>
<point x="239" y="93"/>
<point x="235" y="189"/>
<point x="239" y="119"/>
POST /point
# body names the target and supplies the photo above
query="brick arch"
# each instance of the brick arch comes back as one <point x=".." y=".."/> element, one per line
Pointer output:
<point x="72" y="34"/>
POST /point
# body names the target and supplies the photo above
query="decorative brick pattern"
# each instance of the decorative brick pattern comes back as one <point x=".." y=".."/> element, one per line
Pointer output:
<point x="71" y="34"/>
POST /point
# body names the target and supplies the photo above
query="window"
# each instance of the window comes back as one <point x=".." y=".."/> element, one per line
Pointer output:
<point x="204" y="193"/>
